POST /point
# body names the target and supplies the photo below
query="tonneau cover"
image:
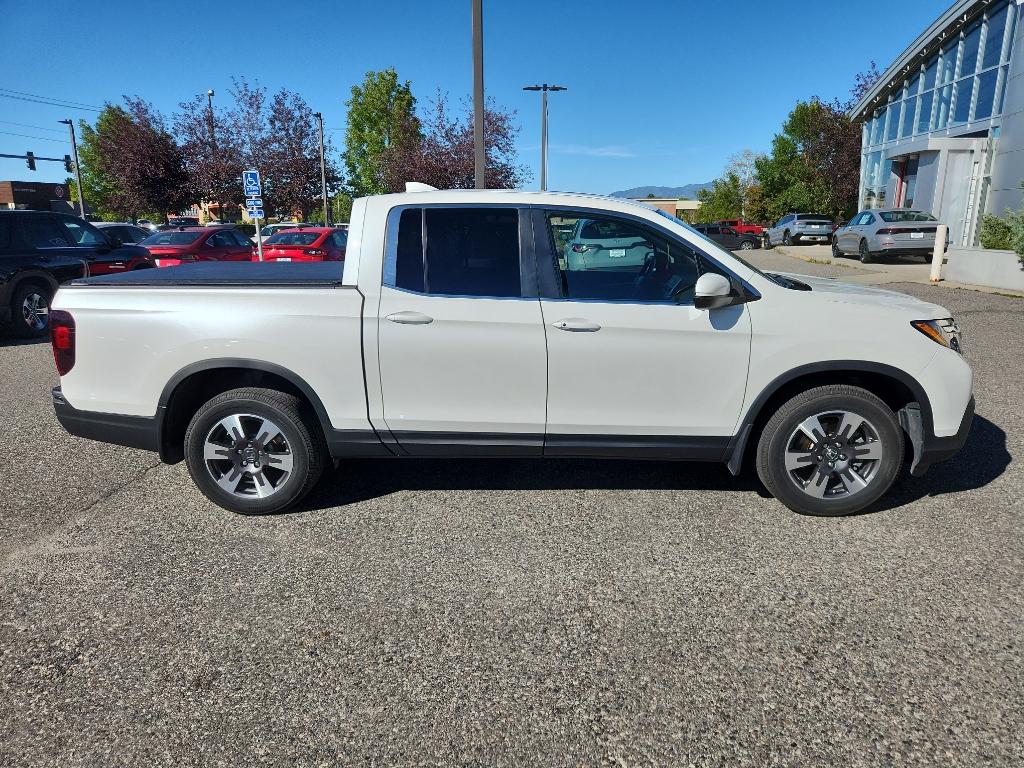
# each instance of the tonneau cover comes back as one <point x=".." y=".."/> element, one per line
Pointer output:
<point x="227" y="274"/>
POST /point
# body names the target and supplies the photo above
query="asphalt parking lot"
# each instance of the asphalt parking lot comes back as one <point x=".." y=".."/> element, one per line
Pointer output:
<point x="513" y="612"/>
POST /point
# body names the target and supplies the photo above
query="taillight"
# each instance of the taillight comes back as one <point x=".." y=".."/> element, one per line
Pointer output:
<point x="62" y="339"/>
<point x="888" y="231"/>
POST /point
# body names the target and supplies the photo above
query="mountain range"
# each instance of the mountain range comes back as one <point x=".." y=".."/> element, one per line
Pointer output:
<point x="689" y="191"/>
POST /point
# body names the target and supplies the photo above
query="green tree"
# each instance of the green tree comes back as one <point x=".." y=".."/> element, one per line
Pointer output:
<point x="381" y="116"/>
<point x="724" y="200"/>
<point x="97" y="185"/>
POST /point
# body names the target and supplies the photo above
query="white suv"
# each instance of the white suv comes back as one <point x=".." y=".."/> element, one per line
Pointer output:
<point x="469" y="323"/>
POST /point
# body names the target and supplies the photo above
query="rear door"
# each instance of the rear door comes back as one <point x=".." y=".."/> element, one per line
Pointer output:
<point x="463" y="365"/>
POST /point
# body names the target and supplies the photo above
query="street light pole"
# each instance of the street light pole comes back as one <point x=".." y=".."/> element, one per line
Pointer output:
<point x="323" y="168"/>
<point x="78" y="170"/>
<point x="213" y="144"/>
<point x="479" y="151"/>
<point x="544" y="128"/>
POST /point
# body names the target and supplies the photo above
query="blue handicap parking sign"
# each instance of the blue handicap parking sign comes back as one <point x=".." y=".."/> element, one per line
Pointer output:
<point x="255" y="213"/>
<point x="251" y="183"/>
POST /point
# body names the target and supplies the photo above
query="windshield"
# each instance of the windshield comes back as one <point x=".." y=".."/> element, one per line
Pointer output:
<point x="294" y="238"/>
<point x="892" y="216"/>
<point x="171" y="238"/>
<point x="704" y="237"/>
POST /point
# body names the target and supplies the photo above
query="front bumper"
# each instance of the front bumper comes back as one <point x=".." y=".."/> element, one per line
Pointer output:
<point x="929" y="449"/>
<point x="132" y="431"/>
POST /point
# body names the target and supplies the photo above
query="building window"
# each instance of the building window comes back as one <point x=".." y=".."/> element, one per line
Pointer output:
<point x="969" y="59"/>
<point x="964" y="92"/>
<point x="908" y="117"/>
<point x="924" y="119"/>
<point x="994" y="38"/>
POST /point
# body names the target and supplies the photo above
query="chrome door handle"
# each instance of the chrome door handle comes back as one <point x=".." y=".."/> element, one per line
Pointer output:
<point x="577" y="325"/>
<point x="409" y="318"/>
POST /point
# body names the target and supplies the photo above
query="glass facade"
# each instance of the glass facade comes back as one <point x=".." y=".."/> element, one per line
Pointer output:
<point x="961" y="83"/>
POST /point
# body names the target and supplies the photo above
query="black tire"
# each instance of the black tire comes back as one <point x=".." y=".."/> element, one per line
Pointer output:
<point x="767" y="242"/>
<point x="786" y="240"/>
<point x="866" y="256"/>
<point x="30" y="310"/>
<point x="300" y="435"/>
<point x="836" y="497"/>
<point x="836" y="253"/>
<point x="746" y="245"/>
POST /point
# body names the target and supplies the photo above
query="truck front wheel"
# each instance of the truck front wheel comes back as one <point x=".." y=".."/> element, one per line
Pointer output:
<point x="830" y="451"/>
<point x="253" y="451"/>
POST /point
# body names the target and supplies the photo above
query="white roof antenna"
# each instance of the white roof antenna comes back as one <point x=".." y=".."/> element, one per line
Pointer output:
<point x="415" y="186"/>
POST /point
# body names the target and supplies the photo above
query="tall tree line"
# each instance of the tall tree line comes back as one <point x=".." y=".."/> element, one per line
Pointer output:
<point x="135" y="162"/>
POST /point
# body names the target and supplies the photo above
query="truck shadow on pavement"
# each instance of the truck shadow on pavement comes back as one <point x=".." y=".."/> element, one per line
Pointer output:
<point x="983" y="459"/>
<point x="17" y="341"/>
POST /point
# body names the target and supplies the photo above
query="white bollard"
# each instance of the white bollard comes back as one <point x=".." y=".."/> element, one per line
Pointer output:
<point x="939" y="252"/>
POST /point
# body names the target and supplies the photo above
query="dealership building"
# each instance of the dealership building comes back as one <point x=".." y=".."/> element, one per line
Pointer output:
<point x="943" y="129"/>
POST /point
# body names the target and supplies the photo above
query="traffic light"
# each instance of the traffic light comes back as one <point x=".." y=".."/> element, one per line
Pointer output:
<point x="30" y="159"/>
<point x="67" y="164"/>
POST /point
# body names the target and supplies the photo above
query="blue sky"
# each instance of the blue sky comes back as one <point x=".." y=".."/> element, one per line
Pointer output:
<point x="660" y="92"/>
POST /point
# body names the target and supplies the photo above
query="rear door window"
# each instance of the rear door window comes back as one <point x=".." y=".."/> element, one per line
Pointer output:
<point x="456" y="252"/>
<point x="45" y="232"/>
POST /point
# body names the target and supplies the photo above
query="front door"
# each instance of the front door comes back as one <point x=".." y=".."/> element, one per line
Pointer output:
<point x="633" y="366"/>
<point x="463" y="365"/>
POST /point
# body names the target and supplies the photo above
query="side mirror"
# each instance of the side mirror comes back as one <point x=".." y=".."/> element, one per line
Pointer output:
<point x="712" y="291"/>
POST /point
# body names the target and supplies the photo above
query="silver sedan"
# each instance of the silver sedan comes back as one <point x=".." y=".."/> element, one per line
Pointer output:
<point x="886" y="232"/>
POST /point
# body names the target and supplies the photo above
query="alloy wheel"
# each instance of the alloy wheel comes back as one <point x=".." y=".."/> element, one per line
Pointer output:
<point x="833" y="455"/>
<point x="747" y="245"/>
<point x="35" y="311"/>
<point x="248" y="456"/>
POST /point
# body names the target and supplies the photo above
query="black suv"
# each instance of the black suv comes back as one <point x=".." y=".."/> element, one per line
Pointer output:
<point x="39" y="251"/>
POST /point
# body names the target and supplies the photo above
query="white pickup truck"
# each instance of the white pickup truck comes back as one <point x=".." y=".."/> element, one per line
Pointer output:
<point x="497" y="323"/>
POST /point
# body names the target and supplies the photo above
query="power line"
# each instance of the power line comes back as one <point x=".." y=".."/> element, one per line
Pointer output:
<point x="50" y="103"/>
<point x="37" y="138"/>
<point x="37" y="127"/>
<point x="51" y="98"/>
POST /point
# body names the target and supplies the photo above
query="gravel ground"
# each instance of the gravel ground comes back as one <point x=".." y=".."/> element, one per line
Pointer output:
<point x="512" y="612"/>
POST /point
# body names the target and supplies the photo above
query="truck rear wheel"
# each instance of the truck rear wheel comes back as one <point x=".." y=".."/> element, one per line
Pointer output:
<point x="830" y="451"/>
<point x="253" y="451"/>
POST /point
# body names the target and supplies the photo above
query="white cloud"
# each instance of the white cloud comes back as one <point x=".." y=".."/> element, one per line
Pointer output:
<point x="608" y="150"/>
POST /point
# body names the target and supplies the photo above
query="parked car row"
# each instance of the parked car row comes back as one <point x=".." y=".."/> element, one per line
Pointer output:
<point x="41" y="250"/>
<point x="869" y="235"/>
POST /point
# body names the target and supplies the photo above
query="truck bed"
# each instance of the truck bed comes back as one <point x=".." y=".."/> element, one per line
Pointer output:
<point x="227" y="274"/>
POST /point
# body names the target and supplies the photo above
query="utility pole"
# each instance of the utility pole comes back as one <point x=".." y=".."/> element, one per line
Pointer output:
<point x="323" y="168"/>
<point x="544" y="128"/>
<point x="479" y="151"/>
<point x="213" y="144"/>
<point x="78" y="167"/>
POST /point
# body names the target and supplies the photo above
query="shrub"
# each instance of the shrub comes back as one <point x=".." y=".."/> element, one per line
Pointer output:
<point x="995" y="233"/>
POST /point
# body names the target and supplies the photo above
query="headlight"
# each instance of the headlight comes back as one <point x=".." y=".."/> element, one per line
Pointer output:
<point x="946" y="332"/>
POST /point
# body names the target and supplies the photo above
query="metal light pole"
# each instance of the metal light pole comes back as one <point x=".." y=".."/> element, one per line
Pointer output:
<point x="544" y="128"/>
<point x="479" y="151"/>
<point x="323" y="168"/>
<point x="213" y="142"/>
<point x="78" y="171"/>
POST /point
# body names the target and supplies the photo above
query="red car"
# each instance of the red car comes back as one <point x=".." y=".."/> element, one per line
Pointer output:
<point x="185" y="244"/>
<point x="305" y="244"/>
